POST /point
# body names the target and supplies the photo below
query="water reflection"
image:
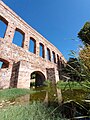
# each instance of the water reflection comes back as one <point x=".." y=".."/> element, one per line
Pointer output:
<point x="46" y="98"/>
<point x="52" y="94"/>
<point x="47" y="95"/>
<point x="59" y="96"/>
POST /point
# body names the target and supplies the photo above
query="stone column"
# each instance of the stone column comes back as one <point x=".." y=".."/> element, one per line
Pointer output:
<point x="45" y="49"/>
<point x="23" y="75"/>
<point x="56" y="57"/>
<point x="51" y="56"/>
<point x="9" y="33"/>
<point x="51" y="75"/>
<point x="26" y="41"/>
<point x="37" y="48"/>
<point x="56" y="74"/>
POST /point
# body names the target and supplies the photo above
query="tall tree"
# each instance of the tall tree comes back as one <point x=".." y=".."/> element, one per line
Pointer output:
<point x="84" y="33"/>
<point x="73" y="70"/>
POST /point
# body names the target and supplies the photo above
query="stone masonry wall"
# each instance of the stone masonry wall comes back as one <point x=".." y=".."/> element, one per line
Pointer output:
<point x="19" y="74"/>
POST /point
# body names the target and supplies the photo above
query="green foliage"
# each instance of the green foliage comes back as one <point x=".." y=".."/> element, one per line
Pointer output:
<point x="73" y="85"/>
<point x="9" y="94"/>
<point x="84" y="33"/>
<point x="32" y="84"/>
<point x="74" y="69"/>
<point x="35" y="111"/>
<point x="47" y="83"/>
<point x="79" y="71"/>
<point x="85" y="56"/>
<point x="68" y="85"/>
<point x="78" y="68"/>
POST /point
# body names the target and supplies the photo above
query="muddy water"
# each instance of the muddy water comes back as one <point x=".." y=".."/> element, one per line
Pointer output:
<point x="52" y="94"/>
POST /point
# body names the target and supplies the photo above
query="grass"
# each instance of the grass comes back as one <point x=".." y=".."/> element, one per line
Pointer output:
<point x="34" y="111"/>
<point x="73" y="85"/>
<point x="9" y="94"/>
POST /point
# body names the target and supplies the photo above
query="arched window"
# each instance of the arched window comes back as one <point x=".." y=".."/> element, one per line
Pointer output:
<point x="32" y="45"/>
<point x="48" y="54"/>
<point x="58" y="60"/>
<point x="54" y="58"/>
<point x="59" y="66"/>
<point x="3" y="27"/>
<point x="3" y="63"/>
<point x="41" y="49"/>
<point x="18" y="37"/>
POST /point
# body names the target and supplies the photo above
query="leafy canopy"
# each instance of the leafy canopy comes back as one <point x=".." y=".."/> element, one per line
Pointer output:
<point x="84" y="33"/>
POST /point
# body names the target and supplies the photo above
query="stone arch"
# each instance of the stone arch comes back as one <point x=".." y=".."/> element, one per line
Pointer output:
<point x="38" y="78"/>
<point x="41" y="50"/>
<point x="32" y="45"/>
<point x="3" y="26"/>
<point x="59" y="66"/>
<point x="18" y="38"/>
<point x="58" y="60"/>
<point x="48" y="54"/>
<point x="53" y="56"/>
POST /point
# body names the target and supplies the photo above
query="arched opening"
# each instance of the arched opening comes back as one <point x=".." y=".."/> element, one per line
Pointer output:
<point x="32" y="45"/>
<point x="48" y="54"/>
<point x="3" y="26"/>
<point x="58" y="60"/>
<point x="41" y="48"/>
<point x="3" y="63"/>
<point x="54" y="58"/>
<point x="37" y="79"/>
<point x="18" y="38"/>
<point x="59" y="66"/>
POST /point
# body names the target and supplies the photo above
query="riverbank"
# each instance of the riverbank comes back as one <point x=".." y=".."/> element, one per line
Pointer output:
<point x="9" y="94"/>
<point x="27" y="111"/>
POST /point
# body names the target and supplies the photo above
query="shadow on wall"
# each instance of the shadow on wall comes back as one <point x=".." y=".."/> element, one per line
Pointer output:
<point x="14" y="75"/>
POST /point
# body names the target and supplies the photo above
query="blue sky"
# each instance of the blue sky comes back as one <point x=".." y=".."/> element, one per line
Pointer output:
<point x="58" y="21"/>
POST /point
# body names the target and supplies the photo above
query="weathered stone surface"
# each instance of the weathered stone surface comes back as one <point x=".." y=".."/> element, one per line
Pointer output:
<point x="22" y="62"/>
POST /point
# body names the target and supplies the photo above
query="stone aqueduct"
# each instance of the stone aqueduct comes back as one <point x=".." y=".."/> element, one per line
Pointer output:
<point x="18" y="63"/>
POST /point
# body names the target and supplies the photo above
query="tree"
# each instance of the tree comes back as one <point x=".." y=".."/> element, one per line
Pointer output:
<point x="84" y="33"/>
<point x="73" y="70"/>
<point x="85" y="56"/>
